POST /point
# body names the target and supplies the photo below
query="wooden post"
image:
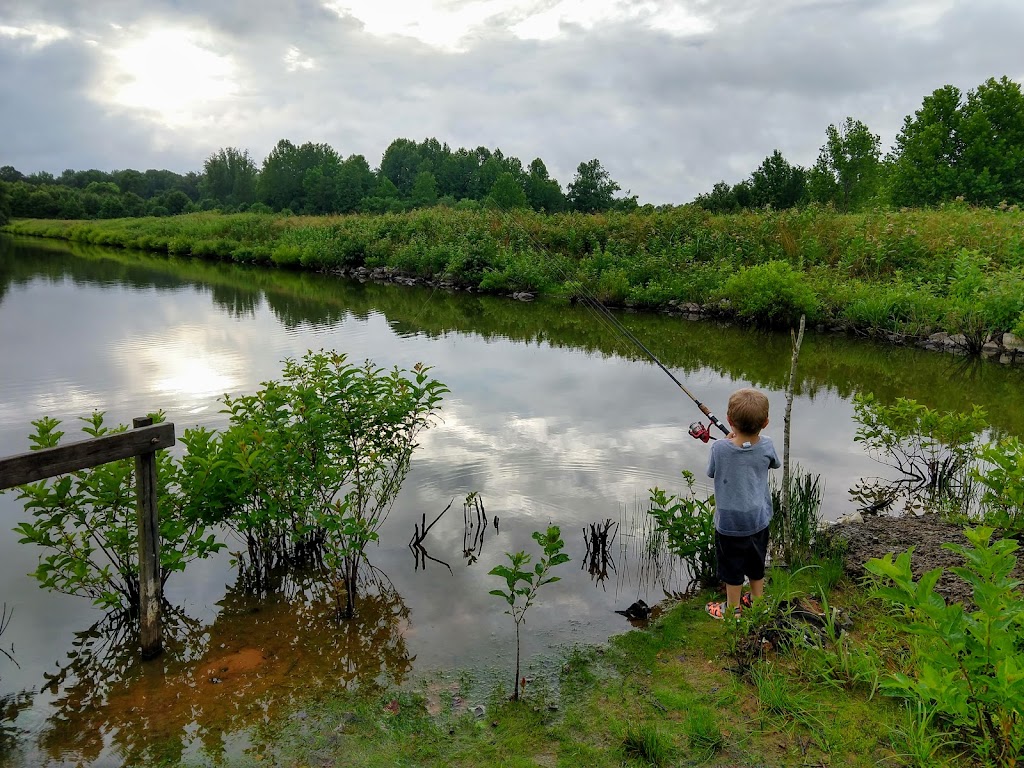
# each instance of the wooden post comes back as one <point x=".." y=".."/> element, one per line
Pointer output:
<point x="150" y="591"/>
<point x="787" y="520"/>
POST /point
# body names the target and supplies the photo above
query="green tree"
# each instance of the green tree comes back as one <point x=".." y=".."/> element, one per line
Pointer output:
<point x="130" y="180"/>
<point x="927" y="153"/>
<point x="385" y="198"/>
<point x="400" y="164"/>
<point x="777" y="183"/>
<point x="314" y="462"/>
<point x="992" y="136"/>
<point x="87" y="520"/>
<point x="285" y="180"/>
<point x="174" y="201"/>
<point x="5" y="204"/>
<point x="424" y="190"/>
<point x="720" y="199"/>
<point x="9" y="173"/>
<point x="523" y="582"/>
<point x="280" y="179"/>
<point x="506" y="193"/>
<point x="542" y="191"/>
<point x="229" y="177"/>
<point x="456" y="174"/>
<point x="848" y="171"/>
<point x="355" y="181"/>
<point x="592" y="190"/>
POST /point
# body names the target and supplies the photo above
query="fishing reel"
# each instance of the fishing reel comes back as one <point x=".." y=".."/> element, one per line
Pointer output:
<point x="700" y="431"/>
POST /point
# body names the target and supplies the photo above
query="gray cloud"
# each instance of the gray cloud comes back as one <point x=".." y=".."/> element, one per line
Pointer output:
<point x="667" y="115"/>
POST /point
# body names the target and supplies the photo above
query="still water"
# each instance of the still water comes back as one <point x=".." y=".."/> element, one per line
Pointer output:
<point x="550" y="419"/>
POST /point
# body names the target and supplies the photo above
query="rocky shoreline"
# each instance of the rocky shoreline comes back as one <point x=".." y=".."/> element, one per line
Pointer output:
<point x="1004" y="348"/>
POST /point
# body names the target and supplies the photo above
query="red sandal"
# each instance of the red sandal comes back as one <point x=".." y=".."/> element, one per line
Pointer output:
<point x="719" y="610"/>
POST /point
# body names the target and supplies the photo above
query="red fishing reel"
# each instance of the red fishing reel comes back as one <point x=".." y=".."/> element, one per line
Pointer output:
<point x="701" y="432"/>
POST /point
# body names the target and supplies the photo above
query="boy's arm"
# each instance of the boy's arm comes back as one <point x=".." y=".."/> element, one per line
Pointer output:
<point x="773" y="459"/>
<point x="711" y="461"/>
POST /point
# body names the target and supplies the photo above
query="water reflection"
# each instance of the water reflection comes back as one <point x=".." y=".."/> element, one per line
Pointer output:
<point x="599" y="558"/>
<point x="257" y="657"/>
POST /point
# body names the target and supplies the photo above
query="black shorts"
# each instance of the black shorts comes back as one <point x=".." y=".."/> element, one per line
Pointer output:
<point x="740" y="556"/>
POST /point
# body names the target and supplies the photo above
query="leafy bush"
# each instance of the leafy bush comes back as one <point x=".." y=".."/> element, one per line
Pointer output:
<point x="896" y="307"/>
<point x="771" y="294"/>
<point x="968" y="672"/>
<point x="689" y="526"/>
<point x="314" y="462"/>
<point x="1003" y="481"/>
<point x="982" y="302"/>
<point x="88" y="519"/>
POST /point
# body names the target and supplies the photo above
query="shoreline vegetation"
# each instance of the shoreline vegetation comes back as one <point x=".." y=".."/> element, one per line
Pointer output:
<point x="802" y="678"/>
<point x="949" y="279"/>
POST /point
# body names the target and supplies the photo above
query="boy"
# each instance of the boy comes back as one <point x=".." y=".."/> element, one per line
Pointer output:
<point x="743" y="503"/>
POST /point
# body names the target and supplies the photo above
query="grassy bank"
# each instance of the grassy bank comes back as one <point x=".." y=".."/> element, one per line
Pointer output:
<point x="686" y="690"/>
<point x="911" y="273"/>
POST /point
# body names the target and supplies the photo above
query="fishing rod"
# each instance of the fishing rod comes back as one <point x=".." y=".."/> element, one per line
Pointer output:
<point x="697" y="429"/>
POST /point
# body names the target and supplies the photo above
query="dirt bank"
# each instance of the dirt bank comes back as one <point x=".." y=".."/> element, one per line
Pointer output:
<point x="876" y="536"/>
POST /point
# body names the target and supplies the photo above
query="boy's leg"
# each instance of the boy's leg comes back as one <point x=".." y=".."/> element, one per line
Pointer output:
<point x="732" y="594"/>
<point x="729" y="552"/>
<point x="756" y="588"/>
<point x="755" y="565"/>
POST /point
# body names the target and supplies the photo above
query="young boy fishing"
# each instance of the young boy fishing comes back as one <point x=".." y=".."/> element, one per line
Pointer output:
<point x="739" y="465"/>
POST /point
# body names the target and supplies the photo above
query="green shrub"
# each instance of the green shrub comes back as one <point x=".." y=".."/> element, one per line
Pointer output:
<point x="1003" y="482"/>
<point x="286" y="255"/>
<point x="88" y="524"/>
<point x="968" y="671"/>
<point x="689" y="527"/>
<point x="897" y="307"/>
<point x="771" y="294"/>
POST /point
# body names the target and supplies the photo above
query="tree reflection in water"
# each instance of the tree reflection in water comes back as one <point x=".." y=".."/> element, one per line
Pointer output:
<point x="222" y="680"/>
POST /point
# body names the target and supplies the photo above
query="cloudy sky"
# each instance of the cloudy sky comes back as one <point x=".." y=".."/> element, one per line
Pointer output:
<point x="670" y="95"/>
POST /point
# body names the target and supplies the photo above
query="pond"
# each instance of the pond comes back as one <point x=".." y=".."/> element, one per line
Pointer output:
<point x="551" y="419"/>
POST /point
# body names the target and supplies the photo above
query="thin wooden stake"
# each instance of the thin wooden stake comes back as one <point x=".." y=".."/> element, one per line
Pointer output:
<point x="150" y="591"/>
<point x="787" y="520"/>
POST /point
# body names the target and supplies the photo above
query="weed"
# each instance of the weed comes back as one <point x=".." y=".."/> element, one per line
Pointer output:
<point x="643" y="741"/>
<point x="703" y="733"/>
<point x="777" y="695"/>
<point x="805" y="493"/>
<point x="918" y="742"/>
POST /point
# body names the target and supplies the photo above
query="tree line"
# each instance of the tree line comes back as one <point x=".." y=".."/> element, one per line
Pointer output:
<point x="957" y="146"/>
<point x="313" y="179"/>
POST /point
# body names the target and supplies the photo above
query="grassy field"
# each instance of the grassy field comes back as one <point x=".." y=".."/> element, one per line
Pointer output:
<point x="908" y="274"/>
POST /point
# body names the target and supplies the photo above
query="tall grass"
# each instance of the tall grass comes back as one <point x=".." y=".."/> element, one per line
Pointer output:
<point x="805" y="494"/>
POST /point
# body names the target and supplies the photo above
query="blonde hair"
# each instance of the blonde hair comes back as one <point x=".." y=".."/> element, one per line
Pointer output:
<point x="748" y="410"/>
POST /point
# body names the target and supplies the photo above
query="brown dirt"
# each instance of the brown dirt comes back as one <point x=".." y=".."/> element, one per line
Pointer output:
<point x="877" y="536"/>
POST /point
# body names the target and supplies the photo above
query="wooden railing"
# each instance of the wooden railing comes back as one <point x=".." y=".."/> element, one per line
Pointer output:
<point x="142" y="442"/>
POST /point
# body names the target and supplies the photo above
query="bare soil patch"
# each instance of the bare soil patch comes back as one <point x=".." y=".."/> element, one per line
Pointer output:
<point x="877" y="536"/>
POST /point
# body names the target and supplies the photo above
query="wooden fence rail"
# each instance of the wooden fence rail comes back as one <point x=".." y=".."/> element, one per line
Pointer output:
<point x="142" y="442"/>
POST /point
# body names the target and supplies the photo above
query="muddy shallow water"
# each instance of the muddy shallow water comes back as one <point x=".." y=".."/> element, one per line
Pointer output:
<point x="549" y="419"/>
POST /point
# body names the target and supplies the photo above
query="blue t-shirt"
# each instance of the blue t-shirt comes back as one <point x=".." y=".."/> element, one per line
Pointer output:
<point x="743" y="502"/>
